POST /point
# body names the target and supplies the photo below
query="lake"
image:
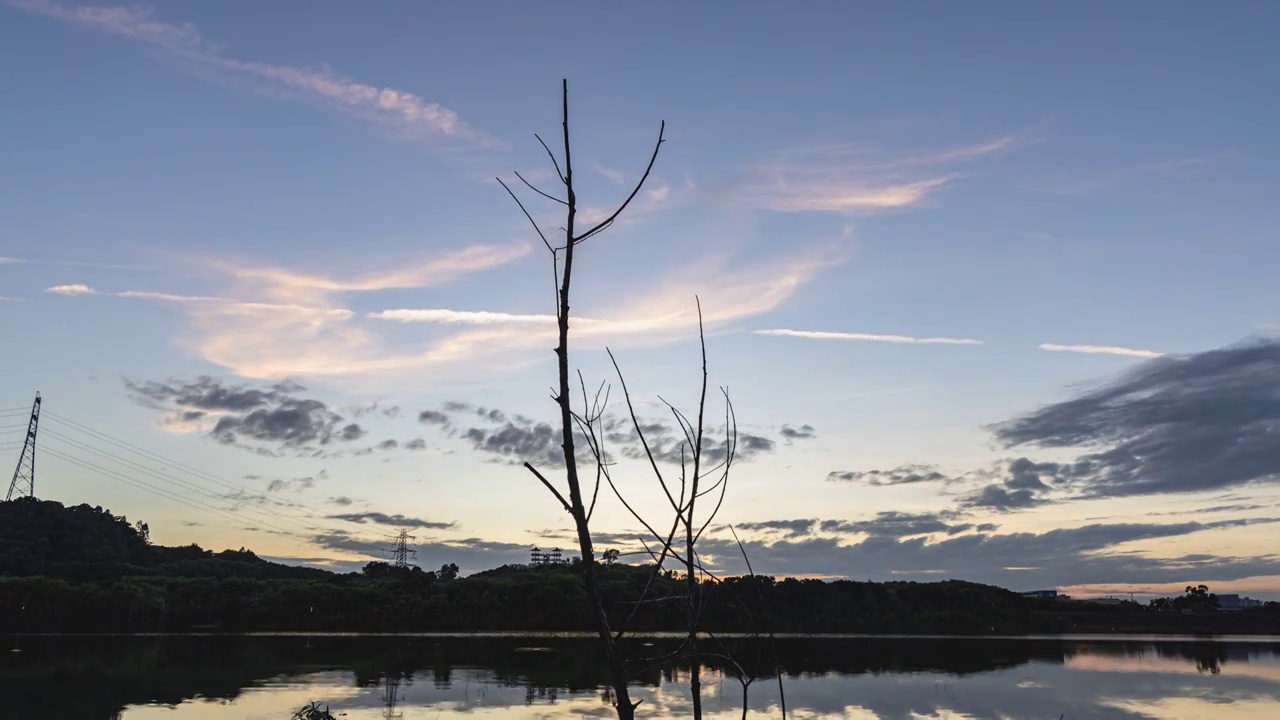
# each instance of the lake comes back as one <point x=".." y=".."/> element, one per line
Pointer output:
<point x="504" y="676"/>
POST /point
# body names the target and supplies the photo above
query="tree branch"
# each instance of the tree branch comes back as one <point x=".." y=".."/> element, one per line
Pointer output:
<point x="552" y="155"/>
<point x="609" y="220"/>
<point x="526" y="214"/>
<point x="531" y="187"/>
<point x="550" y="487"/>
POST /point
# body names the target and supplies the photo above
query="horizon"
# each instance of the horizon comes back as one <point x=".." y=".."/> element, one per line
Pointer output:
<point x="991" y="292"/>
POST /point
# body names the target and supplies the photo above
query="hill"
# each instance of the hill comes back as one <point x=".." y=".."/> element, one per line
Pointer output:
<point x="82" y="569"/>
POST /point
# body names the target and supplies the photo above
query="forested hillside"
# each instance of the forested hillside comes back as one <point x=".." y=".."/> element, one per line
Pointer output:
<point x="82" y="569"/>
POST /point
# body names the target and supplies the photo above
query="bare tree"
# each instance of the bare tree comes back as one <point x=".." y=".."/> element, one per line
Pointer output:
<point x="562" y="263"/>
<point x="703" y="469"/>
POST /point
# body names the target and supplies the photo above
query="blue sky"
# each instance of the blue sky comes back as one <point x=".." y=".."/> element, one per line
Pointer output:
<point x="1050" y="196"/>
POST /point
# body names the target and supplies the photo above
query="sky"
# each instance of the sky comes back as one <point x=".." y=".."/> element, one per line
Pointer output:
<point x="991" y="288"/>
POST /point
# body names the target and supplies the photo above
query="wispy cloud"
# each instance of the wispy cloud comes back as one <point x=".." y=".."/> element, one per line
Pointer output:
<point x="613" y="175"/>
<point x="414" y="118"/>
<point x="855" y="197"/>
<point x="1100" y="350"/>
<point x="295" y="285"/>
<point x="279" y="322"/>
<point x="849" y="180"/>
<point x="73" y="263"/>
<point x="74" y="289"/>
<point x="869" y="337"/>
<point x="461" y="317"/>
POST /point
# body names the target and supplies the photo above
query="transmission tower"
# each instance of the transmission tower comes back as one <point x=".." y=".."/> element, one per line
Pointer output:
<point x="24" y="476"/>
<point x="401" y="553"/>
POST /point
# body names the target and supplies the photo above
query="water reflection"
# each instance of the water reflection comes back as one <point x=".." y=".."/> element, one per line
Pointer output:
<point x="189" y="678"/>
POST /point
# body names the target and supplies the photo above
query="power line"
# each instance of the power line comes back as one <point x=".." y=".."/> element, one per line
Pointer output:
<point x="169" y="478"/>
<point x="173" y="464"/>
<point x="196" y="504"/>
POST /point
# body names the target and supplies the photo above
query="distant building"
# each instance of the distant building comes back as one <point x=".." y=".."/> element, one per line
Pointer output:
<point x="554" y="556"/>
<point x="1104" y="600"/>
<point x="1234" y="603"/>
<point x="1046" y="594"/>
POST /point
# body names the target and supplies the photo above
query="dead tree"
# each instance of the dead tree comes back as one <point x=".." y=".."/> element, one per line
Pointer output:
<point x="562" y="257"/>
<point x="703" y="475"/>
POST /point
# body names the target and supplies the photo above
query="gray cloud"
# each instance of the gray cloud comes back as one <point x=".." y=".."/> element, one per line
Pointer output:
<point x="1023" y="483"/>
<point x="515" y="438"/>
<point x="416" y="444"/>
<point x="402" y="521"/>
<point x="789" y="528"/>
<point x="902" y="475"/>
<point x="536" y="443"/>
<point x="297" y="484"/>
<point x="341" y="500"/>
<point x="1069" y="556"/>
<point x="388" y="445"/>
<point x="433" y="417"/>
<point x="1204" y="421"/>
<point x="897" y="524"/>
<point x="257" y="419"/>
<point x="206" y="393"/>
<point x="804" y="432"/>
<point x="244" y="498"/>
<point x="353" y="431"/>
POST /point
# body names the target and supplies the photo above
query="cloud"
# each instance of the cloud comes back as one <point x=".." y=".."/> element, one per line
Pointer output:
<point x="399" y="521"/>
<point x="516" y="439"/>
<point x="1087" y="555"/>
<point x="804" y="432"/>
<point x="416" y="444"/>
<point x="413" y="118"/>
<point x="341" y="500"/>
<point x="1188" y="423"/>
<point x="845" y="180"/>
<point x="293" y="323"/>
<point x="902" y="475"/>
<point x="244" y="498"/>
<point x="663" y="312"/>
<point x="1003" y="499"/>
<point x="390" y="444"/>
<point x="901" y="339"/>
<point x="614" y="176"/>
<point x="273" y="323"/>
<point x="264" y="418"/>
<point x="1023" y="484"/>
<point x="69" y="290"/>
<point x="850" y="198"/>
<point x="789" y="528"/>
<point x="533" y="442"/>
<point x="433" y="417"/>
<point x="898" y="525"/>
<point x="1100" y="350"/>
<point x="461" y="317"/>
<point x="297" y="484"/>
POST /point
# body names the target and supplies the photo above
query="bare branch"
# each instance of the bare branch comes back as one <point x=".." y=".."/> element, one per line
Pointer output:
<point x="552" y="155"/>
<point x="550" y="487"/>
<point x="531" y="187"/>
<point x="635" y="422"/>
<point x="526" y="214"/>
<point x="609" y="220"/>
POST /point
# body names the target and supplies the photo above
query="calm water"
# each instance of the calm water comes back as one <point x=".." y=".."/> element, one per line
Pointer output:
<point x="185" y="678"/>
